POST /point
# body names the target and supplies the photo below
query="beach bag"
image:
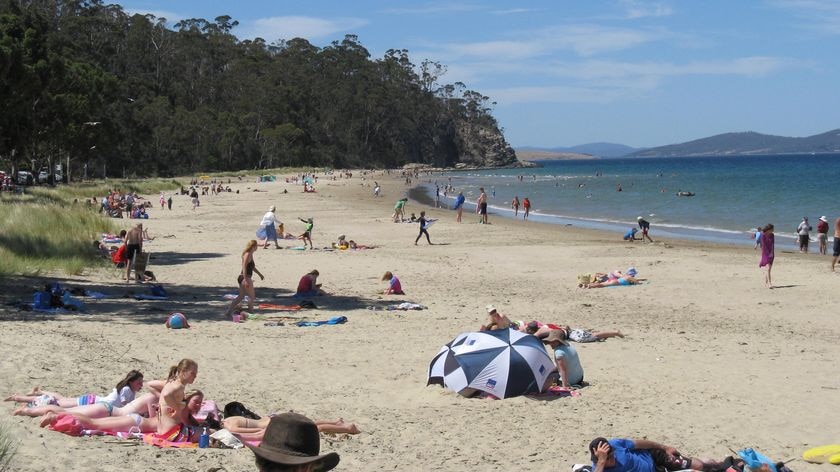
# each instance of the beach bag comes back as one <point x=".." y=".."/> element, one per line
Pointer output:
<point x="42" y="300"/>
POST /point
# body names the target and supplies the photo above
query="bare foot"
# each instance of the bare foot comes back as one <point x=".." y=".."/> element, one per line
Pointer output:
<point x="48" y="419"/>
<point x="36" y="390"/>
<point x="22" y="411"/>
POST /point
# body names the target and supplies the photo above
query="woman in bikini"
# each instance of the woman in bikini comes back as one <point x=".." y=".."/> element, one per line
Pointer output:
<point x="253" y="430"/>
<point x="171" y="418"/>
<point x="246" y="283"/>
<point x="103" y="409"/>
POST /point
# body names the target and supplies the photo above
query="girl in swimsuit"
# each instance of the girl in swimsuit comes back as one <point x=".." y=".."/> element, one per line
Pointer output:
<point x="123" y="393"/>
<point x="172" y="401"/>
<point x="624" y="280"/>
<point x="246" y="283"/>
<point x="253" y="430"/>
<point x="140" y="404"/>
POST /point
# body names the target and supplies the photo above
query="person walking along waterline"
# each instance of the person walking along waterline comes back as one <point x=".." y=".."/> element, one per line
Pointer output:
<point x="515" y="205"/>
<point x="767" y="253"/>
<point x="459" y="206"/>
<point x="836" y="249"/>
<point x="481" y="206"/>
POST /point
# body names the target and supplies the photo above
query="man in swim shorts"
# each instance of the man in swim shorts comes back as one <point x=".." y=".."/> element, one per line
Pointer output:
<point x="481" y="206"/>
<point x="134" y="246"/>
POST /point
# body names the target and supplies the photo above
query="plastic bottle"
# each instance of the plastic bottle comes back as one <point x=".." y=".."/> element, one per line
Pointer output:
<point x="204" y="439"/>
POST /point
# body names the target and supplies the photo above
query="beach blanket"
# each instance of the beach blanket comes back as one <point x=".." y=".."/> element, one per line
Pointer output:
<point x="96" y="295"/>
<point x="405" y="306"/>
<point x="332" y="321"/>
<point x="168" y="439"/>
<point x="274" y="307"/>
<point x="52" y="311"/>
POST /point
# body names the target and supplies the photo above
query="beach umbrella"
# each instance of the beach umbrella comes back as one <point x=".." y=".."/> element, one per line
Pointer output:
<point x="444" y="370"/>
<point x="504" y="363"/>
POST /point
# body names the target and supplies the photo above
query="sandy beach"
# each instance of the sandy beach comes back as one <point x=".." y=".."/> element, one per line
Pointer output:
<point x="712" y="360"/>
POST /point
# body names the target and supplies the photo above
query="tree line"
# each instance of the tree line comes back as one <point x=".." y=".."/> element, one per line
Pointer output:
<point x="111" y="93"/>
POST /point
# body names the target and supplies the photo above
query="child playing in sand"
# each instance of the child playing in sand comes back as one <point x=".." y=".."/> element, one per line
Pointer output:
<point x="394" y="287"/>
<point x="307" y="233"/>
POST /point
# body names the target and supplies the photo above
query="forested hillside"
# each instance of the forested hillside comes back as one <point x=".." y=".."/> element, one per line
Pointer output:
<point x="129" y="95"/>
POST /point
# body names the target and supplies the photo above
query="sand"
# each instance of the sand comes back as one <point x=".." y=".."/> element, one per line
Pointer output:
<point x="712" y="360"/>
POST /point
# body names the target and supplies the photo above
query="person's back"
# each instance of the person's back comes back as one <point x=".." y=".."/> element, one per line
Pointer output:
<point x="574" y="370"/>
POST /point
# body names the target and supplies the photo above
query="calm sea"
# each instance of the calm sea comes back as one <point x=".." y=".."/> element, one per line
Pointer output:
<point x="732" y="194"/>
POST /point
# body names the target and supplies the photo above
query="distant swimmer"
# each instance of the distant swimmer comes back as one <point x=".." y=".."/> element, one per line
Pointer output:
<point x="618" y="188"/>
<point x="685" y="194"/>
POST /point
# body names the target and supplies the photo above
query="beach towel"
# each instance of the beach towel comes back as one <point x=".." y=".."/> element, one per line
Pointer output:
<point x="52" y="311"/>
<point x="96" y="295"/>
<point x="332" y="321"/>
<point x="143" y="296"/>
<point x="405" y="306"/>
<point x="232" y="296"/>
<point x="67" y="424"/>
<point x="274" y="307"/>
<point x="168" y="439"/>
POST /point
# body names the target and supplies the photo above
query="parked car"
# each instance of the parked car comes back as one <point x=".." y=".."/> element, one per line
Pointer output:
<point x="24" y="177"/>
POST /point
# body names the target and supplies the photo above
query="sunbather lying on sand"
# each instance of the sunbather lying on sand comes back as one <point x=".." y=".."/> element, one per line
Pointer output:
<point x="141" y="405"/>
<point x="127" y="422"/>
<point x="122" y="394"/>
<point x="252" y="430"/>
<point x="578" y="335"/>
<point x="624" y="280"/>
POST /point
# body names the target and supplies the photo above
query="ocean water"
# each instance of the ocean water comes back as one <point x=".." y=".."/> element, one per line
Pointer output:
<point x="732" y="194"/>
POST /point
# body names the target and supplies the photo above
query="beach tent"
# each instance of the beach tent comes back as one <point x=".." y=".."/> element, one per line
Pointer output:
<point x="502" y="363"/>
<point x="268" y="178"/>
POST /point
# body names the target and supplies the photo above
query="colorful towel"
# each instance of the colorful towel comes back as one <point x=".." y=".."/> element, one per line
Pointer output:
<point x="332" y="321"/>
<point x="406" y="306"/>
<point x="168" y="439"/>
<point x="557" y="391"/>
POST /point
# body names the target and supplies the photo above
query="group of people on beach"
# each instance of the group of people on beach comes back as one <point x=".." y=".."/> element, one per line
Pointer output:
<point x="169" y="414"/>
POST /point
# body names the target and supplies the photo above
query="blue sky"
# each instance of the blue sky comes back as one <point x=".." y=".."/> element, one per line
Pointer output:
<point x="636" y="72"/>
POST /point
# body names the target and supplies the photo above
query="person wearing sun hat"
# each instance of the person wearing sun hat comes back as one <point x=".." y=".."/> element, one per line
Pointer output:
<point x="822" y="234"/>
<point x="566" y="358"/>
<point x="267" y="227"/>
<point x="495" y="320"/>
<point x="292" y="443"/>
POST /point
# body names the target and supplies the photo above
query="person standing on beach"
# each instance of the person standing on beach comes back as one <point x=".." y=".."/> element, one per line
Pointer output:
<point x="133" y="248"/>
<point x="822" y="234"/>
<point x="459" y="206"/>
<point x="169" y="202"/>
<point x="423" y="228"/>
<point x="767" y="253"/>
<point x="803" y="230"/>
<point x="307" y="233"/>
<point x="399" y="210"/>
<point x="267" y="226"/>
<point x="836" y="249"/>
<point x="526" y="205"/>
<point x="645" y="226"/>
<point x="481" y="206"/>
<point x="515" y="205"/>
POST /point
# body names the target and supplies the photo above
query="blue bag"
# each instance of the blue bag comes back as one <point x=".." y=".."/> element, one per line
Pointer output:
<point x="755" y="459"/>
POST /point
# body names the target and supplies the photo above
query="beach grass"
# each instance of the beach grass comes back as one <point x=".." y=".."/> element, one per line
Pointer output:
<point x="8" y="447"/>
<point x="53" y="228"/>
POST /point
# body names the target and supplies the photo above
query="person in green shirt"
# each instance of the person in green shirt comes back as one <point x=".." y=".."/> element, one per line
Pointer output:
<point x="307" y="234"/>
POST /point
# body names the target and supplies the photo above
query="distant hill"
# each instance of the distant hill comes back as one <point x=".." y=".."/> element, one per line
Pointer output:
<point x="746" y="143"/>
<point x="591" y="149"/>
<point x="534" y="154"/>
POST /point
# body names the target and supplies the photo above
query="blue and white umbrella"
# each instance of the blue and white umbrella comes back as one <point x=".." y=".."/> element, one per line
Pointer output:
<point x="502" y="363"/>
<point x="444" y="370"/>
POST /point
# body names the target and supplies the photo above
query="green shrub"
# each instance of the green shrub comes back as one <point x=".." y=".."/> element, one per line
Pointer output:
<point x="8" y="447"/>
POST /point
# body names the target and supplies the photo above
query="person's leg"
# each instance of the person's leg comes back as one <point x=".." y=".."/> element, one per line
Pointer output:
<point x="249" y="289"/>
<point x="337" y="427"/>
<point x="427" y="236"/>
<point x="418" y="237"/>
<point x="37" y="410"/>
<point x="607" y="334"/>
<point x="236" y="301"/>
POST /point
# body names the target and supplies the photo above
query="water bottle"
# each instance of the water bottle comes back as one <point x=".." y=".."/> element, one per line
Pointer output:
<point x="204" y="439"/>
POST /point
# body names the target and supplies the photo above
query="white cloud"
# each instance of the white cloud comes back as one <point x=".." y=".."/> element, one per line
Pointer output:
<point x="433" y="8"/>
<point x="821" y="16"/>
<point x="288" y="27"/>
<point x="512" y="11"/>
<point x="641" y="9"/>
<point x="171" y="16"/>
<point x="554" y="94"/>
<point x="755" y="66"/>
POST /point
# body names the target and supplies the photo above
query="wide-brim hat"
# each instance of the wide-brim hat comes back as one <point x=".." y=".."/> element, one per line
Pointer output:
<point x="293" y="439"/>
<point x="822" y="218"/>
<point x="490" y="308"/>
<point x="555" y="335"/>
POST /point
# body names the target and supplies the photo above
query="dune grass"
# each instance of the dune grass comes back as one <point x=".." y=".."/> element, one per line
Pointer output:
<point x="8" y="447"/>
<point x="45" y="231"/>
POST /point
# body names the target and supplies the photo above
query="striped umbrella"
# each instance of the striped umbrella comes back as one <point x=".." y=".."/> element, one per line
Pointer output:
<point x="502" y="363"/>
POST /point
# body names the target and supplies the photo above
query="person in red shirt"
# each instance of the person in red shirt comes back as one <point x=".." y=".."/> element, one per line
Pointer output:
<point x="308" y="285"/>
<point x="822" y="234"/>
<point x="120" y="258"/>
